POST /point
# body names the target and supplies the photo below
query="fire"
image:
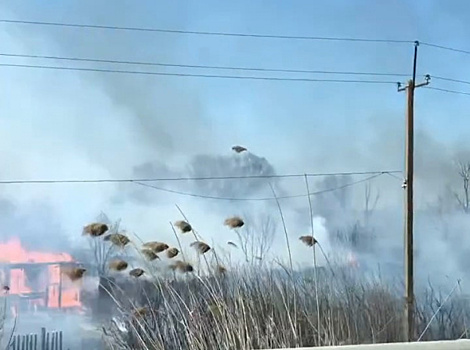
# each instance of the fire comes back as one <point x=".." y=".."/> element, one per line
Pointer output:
<point x="36" y="277"/>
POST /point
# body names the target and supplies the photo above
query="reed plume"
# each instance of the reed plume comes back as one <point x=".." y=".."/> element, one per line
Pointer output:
<point x="234" y="222"/>
<point x="136" y="272"/>
<point x="149" y="254"/>
<point x="172" y="252"/>
<point x="181" y="266"/>
<point x="118" y="265"/>
<point x="183" y="226"/>
<point x="201" y="247"/>
<point x="221" y="270"/>
<point x="95" y="229"/>
<point x="157" y="247"/>
<point x="308" y="240"/>
<point x="74" y="273"/>
<point x="117" y="239"/>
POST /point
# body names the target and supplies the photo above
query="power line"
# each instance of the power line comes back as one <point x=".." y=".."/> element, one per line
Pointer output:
<point x="448" y="48"/>
<point x="262" y="198"/>
<point x="159" y="64"/>
<point x="452" y="80"/>
<point x="198" y="75"/>
<point x="447" y="90"/>
<point x="394" y="176"/>
<point x="207" y="33"/>
<point x="256" y="69"/>
<point x="211" y="178"/>
<point x="248" y="35"/>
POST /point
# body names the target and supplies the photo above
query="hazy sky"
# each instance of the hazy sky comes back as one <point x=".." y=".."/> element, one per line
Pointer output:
<point x="61" y="124"/>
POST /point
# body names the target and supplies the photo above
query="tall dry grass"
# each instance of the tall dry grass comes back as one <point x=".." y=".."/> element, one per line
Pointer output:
<point x="253" y="309"/>
<point x="216" y="305"/>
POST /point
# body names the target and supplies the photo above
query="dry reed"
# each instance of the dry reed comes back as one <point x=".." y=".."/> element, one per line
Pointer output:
<point x="95" y="229"/>
<point x="117" y="239"/>
<point x="157" y="247"/>
<point x="234" y="222"/>
<point x="183" y="226"/>
<point x="263" y="308"/>
<point x="250" y="310"/>
<point x="172" y="252"/>
<point x="73" y="273"/>
<point x="140" y="311"/>
<point x="137" y="272"/>
<point x="181" y="266"/>
<point x="221" y="270"/>
<point x="308" y="240"/>
<point x="149" y="254"/>
<point x="200" y="247"/>
<point x="118" y="265"/>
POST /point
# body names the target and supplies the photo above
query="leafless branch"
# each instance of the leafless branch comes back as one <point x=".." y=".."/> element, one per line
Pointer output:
<point x="463" y="199"/>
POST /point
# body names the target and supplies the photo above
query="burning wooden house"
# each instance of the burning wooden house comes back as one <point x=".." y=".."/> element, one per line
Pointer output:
<point x="34" y="280"/>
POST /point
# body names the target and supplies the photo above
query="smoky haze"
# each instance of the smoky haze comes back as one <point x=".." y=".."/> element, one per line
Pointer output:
<point x="95" y="125"/>
<point x="207" y="166"/>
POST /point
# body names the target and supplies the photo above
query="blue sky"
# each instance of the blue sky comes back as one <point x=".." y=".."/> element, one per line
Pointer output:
<point x="314" y="105"/>
<point x="85" y="125"/>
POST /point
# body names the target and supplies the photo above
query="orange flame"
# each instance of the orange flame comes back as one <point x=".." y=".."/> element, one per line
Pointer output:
<point x="57" y="292"/>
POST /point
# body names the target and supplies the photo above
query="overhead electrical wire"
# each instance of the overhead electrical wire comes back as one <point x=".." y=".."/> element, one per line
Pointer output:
<point x="259" y="198"/>
<point x="209" y="33"/>
<point x="451" y="80"/>
<point x="394" y="176"/>
<point x="161" y="64"/>
<point x="314" y="80"/>
<point x="142" y="182"/>
<point x="225" y="34"/>
<point x="442" y="47"/>
<point x="210" y="178"/>
<point x="447" y="90"/>
<point x="252" y="69"/>
<point x="133" y="72"/>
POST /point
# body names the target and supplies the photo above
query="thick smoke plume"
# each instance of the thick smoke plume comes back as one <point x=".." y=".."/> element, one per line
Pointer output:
<point x="93" y="125"/>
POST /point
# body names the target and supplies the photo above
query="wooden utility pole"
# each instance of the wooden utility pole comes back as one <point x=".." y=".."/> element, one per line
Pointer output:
<point x="408" y="186"/>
